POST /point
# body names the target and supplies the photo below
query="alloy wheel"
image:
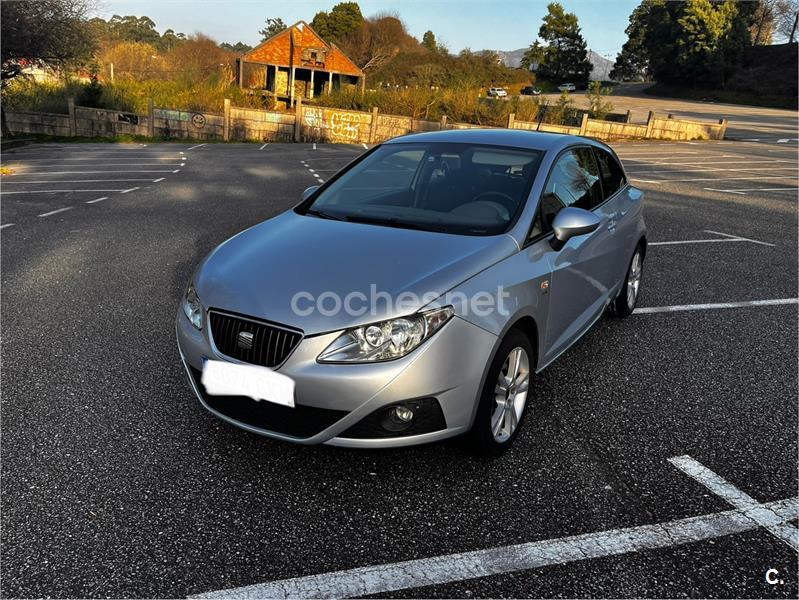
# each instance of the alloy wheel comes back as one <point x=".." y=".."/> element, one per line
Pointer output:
<point x="634" y="280"/>
<point x="510" y="394"/>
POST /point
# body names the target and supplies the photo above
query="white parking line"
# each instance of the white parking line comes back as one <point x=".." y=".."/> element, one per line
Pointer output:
<point x="758" y="177"/>
<point x="176" y="171"/>
<point x="72" y="181"/>
<point x="738" y="499"/>
<point x="438" y="570"/>
<point x="264" y="146"/>
<point x="737" y="170"/>
<point x="365" y="146"/>
<point x="707" y="241"/>
<point x="6" y="225"/>
<point x="694" y="164"/>
<point x="133" y="189"/>
<point x="47" y="174"/>
<point x="159" y="180"/>
<point x="52" y="212"/>
<point x="650" y="310"/>
<point x="742" y="191"/>
<point x="60" y="159"/>
<point x="57" y="191"/>
<point x="97" y="200"/>
<point x="738" y="237"/>
<point x="197" y="146"/>
<point x="99" y="164"/>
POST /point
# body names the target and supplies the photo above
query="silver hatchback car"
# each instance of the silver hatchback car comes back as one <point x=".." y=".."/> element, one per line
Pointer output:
<point x="414" y="295"/>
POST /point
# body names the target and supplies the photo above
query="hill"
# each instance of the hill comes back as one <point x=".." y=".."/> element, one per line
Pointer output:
<point x="601" y="65"/>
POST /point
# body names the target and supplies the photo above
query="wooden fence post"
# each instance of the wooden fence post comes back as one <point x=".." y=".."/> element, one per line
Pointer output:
<point x="629" y="116"/>
<point x="443" y="124"/>
<point x="650" y="123"/>
<point x="373" y="126"/>
<point x="298" y="120"/>
<point x="73" y="122"/>
<point x="723" y="129"/>
<point x="226" y="126"/>
<point x="511" y="120"/>
<point x="584" y="124"/>
<point x="150" y="118"/>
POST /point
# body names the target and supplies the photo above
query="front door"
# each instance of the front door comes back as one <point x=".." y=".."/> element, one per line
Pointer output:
<point x="582" y="269"/>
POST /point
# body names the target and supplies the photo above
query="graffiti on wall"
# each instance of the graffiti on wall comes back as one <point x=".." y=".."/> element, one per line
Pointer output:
<point x="338" y="125"/>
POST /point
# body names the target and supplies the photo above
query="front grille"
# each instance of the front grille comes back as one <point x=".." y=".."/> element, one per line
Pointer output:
<point x="300" y="421"/>
<point x="267" y="345"/>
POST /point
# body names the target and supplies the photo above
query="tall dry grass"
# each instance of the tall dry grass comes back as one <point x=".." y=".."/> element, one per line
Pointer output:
<point x="460" y="104"/>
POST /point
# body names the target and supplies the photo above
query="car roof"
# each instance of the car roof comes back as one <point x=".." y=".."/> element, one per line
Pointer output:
<point x="512" y="138"/>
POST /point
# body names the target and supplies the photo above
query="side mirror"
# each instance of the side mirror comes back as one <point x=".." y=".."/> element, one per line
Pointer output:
<point x="308" y="191"/>
<point x="571" y="222"/>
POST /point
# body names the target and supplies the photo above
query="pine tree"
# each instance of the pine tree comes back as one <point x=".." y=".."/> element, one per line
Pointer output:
<point x="565" y="57"/>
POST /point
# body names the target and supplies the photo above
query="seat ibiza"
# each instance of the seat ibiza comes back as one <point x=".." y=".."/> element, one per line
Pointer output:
<point x="415" y="294"/>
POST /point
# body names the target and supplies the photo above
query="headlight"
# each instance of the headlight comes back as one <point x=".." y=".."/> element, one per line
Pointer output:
<point x="385" y="340"/>
<point x="192" y="307"/>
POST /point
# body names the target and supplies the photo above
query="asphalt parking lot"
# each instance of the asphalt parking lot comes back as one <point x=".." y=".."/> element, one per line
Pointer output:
<point x="679" y="421"/>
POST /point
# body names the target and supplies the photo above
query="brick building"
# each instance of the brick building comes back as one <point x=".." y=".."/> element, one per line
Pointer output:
<point x="297" y="62"/>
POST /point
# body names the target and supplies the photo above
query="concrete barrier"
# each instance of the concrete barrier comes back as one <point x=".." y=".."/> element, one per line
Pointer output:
<point x="321" y="124"/>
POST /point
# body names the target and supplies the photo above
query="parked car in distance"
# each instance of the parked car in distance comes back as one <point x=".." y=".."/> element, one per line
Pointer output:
<point x="567" y="87"/>
<point x="486" y="253"/>
<point x="497" y="92"/>
<point x="530" y="91"/>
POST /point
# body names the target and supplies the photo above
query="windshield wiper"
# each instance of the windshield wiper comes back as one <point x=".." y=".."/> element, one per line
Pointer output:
<point x="323" y="215"/>
<point x="394" y="222"/>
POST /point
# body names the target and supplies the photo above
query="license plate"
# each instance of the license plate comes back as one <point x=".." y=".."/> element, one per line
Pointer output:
<point x="222" y="378"/>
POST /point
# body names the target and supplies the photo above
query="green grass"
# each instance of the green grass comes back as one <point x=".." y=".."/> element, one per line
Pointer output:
<point x="724" y="96"/>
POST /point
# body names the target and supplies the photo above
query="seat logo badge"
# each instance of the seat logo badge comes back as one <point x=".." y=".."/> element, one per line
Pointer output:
<point x="244" y="340"/>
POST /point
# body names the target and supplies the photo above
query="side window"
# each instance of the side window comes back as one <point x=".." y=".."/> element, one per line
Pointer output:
<point x="612" y="174"/>
<point x="573" y="181"/>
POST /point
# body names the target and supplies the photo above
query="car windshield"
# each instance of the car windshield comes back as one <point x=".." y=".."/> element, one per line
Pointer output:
<point x="462" y="189"/>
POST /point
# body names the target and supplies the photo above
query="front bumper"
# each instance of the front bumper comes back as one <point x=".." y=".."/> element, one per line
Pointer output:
<point x="449" y="367"/>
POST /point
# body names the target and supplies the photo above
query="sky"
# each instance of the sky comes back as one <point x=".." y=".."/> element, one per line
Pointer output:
<point x="476" y="24"/>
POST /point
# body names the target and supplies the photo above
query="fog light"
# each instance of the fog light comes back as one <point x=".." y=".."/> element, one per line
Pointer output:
<point x="403" y="414"/>
<point x="397" y="418"/>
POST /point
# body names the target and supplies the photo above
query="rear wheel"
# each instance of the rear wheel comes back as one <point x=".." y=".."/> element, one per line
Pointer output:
<point x="504" y="397"/>
<point x="628" y="296"/>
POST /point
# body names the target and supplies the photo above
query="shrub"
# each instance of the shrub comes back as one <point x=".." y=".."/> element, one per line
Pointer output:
<point x="600" y="107"/>
<point x="460" y="104"/>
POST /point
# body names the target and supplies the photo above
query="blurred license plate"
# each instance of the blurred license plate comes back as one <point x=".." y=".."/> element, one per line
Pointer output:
<point x="222" y="378"/>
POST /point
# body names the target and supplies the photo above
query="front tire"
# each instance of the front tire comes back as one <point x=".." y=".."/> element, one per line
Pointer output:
<point x="503" y="401"/>
<point x="625" y="302"/>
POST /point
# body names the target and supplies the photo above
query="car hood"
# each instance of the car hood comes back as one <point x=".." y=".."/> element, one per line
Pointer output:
<point x="260" y="271"/>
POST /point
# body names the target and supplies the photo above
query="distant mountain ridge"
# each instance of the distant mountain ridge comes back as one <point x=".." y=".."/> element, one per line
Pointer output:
<point x="601" y="65"/>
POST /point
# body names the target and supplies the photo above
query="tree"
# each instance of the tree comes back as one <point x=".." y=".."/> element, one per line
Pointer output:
<point x="632" y="62"/>
<point x="131" y="28"/>
<point x="786" y="19"/>
<point x="429" y="41"/>
<point x="170" y="39"/>
<point x="533" y="56"/>
<point x="712" y="40"/>
<point x="272" y="28"/>
<point x="52" y="32"/>
<point x="42" y="31"/>
<point x="565" y="56"/>
<point x="238" y="47"/>
<point x="343" y="20"/>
